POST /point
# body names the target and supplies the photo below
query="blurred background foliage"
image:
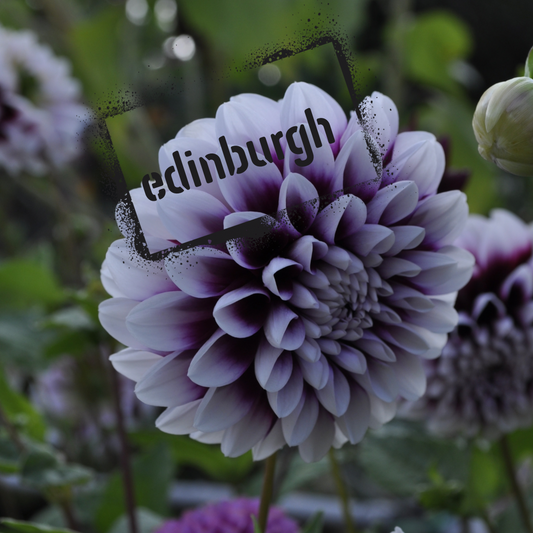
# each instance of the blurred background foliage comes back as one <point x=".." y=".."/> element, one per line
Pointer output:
<point x="181" y="59"/>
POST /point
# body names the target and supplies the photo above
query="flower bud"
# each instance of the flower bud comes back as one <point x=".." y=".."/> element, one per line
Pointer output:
<point x="503" y="125"/>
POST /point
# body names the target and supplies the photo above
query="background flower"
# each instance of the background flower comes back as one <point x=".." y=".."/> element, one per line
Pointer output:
<point x="40" y="113"/>
<point x="232" y="516"/>
<point x="307" y="336"/>
<point x="483" y="383"/>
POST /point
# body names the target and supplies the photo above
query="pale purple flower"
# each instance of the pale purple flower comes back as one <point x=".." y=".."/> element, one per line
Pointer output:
<point x="308" y="336"/>
<point x="483" y="383"/>
<point x="232" y="516"/>
<point x="40" y="111"/>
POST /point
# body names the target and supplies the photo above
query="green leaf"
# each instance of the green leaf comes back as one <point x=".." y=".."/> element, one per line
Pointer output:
<point x="433" y="43"/>
<point x="20" y="411"/>
<point x="257" y="528"/>
<point x="44" y="469"/>
<point x="400" y="456"/>
<point x="152" y="473"/>
<point x="315" y="523"/>
<point x="529" y="64"/>
<point x="9" y="455"/>
<point x="8" y="525"/>
<point x="147" y="522"/>
<point x="205" y="457"/>
<point x="24" y="282"/>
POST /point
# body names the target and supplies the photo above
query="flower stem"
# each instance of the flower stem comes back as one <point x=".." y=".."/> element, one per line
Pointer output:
<point x="510" y="470"/>
<point x="266" y="493"/>
<point x="342" y="492"/>
<point x="125" y="461"/>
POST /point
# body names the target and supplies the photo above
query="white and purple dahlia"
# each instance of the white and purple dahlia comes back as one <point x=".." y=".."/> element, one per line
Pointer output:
<point x="232" y="516"/>
<point x="483" y="383"/>
<point x="308" y="336"/>
<point x="40" y="112"/>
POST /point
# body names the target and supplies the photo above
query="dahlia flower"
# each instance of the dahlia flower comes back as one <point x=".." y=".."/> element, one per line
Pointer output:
<point x="503" y="125"/>
<point x="39" y="106"/>
<point x="483" y="383"/>
<point x="232" y="516"/>
<point x="307" y="336"/>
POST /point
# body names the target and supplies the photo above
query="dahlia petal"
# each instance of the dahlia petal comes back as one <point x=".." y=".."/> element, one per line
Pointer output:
<point x="248" y="117"/>
<point x="375" y="347"/>
<point x="418" y="157"/>
<point x="253" y="253"/>
<point x="392" y="203"/>
<point x="355" y="421"/>
<point x="198" y="147"/>
<point x="320" y="170"/>
<point x="306" y="250"/>
<point x="112" y="314"/>
<point x="350" y="359"/>
<point x="383" y="380"/>
<point x="208" y="438"/>
<point x="338" y="257"/>
<point x="284" y="328"/>
<point x="133" y="364"/>
<point x="109" y="283"/>
<point x="342" y="217"/>
<point x="278" y="276"/>
<point x="381" y="411"/>
<point x="381" y="120"/>
<point x="406" y="337"/>
<point x="301" y="96"/>
<point x="222" y="407"/>
<point x="203" y="272"/>
<point x="202" y="128"/>
<point x="310" y="350"/>
<point x="178" y="420"/>
<point x="520" y="282"/>
<point x="295" y="191"/>
<point x="245" y="434"/>
<point x="441" y="319"/>
<point x="370" y="238"/>
<point x="166" y="384"/>
<point x="317" y="445"/>
<point x="171" y="321"/>
<point x="408" y="298"/>
<point x="256" y="189"/>
<point x="265" y="359"/>
<point x="315" y="373"/>
<point x="270" y="444"/>
<point x="243" y="311"/>
<point x="410" y="375"/>
<point x="299" y="424"/>
<point x="221" y="360"/>
<point x="302" y="297"/>
<point x="448" y="271"/>
<point x="357" y="168"/>
<point x="335" y="395"/>
<point x="192" y="215"/>
<point x="406" y="238"/>
<point x="397" y="266"/>
<point x="134" y="276"/>
<point x="148" y="216"/>
<point x="443" y="216"/>
<point x="285" y="401"/>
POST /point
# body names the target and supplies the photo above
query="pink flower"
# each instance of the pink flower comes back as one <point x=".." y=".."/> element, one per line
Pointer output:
<point x="307" y="336"/>
<point x="40" y="113"/>
<point x="483" y="383"/>
<point x="232" y="516"/>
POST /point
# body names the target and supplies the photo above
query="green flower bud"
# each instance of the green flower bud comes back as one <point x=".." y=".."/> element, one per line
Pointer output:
<point x="503" y="125"/>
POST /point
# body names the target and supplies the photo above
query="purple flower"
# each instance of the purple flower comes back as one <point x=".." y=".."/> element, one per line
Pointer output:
<point x="39" y="106"/>
<point x="308" y="336"/>
<point x="232" y="516"/>
<point x="483" y="383"/>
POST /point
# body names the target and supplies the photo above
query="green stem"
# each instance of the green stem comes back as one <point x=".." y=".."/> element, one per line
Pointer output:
<point x="342" y="492"/>
<point x="510" y="470"/>
<point x="266" y="493"/>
